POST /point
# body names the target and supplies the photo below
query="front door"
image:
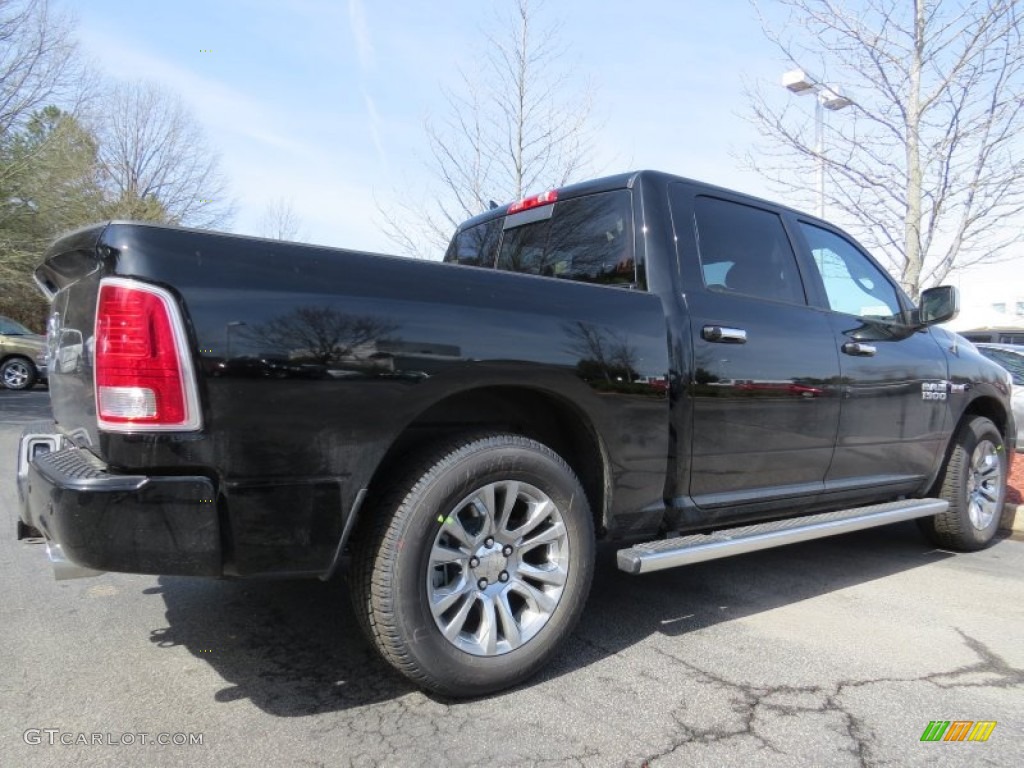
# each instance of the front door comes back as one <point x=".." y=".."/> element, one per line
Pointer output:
<point x="894" y="391"/>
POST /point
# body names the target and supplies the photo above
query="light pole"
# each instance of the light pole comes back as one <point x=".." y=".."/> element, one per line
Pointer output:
<point x="828" y="97"/>
<point x="227" y="333"/>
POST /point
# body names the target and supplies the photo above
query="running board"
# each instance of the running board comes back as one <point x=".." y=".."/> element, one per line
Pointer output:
<point x="685" y="550"/>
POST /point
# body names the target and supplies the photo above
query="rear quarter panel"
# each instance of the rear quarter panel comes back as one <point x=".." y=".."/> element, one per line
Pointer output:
<point x="312" y="362"/>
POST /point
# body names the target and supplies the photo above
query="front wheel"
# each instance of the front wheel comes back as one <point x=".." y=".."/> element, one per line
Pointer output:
<point x="18" y="373"/>
<point x="973" y="481"/>
<point x="477" y="564"/>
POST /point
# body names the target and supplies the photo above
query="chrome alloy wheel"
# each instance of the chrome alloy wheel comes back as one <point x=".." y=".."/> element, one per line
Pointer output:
<point x="984" y="484"/>
<point x="16" y="374"/>
<point x="497" y="568"/>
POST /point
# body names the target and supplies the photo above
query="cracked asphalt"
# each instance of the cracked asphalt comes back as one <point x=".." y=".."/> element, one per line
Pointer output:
<point x="836" y="652"/>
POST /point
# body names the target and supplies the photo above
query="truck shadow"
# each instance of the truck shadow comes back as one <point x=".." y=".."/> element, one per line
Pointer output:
<point x="293" y="648"/>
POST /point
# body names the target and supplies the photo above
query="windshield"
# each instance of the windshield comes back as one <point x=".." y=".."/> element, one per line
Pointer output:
<point x="1011" y="361"/>
<point x="11" y="328"/>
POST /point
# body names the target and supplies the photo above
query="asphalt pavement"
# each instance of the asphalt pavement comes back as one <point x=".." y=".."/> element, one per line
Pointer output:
<point x="837" y="652"/>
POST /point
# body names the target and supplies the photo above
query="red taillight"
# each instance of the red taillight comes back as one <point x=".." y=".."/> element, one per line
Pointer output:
<point x="544" y="198"/>
<point x="144" y="378"/>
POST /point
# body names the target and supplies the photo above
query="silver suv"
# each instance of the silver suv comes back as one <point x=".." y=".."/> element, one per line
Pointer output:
<point x="1011" y="357"/>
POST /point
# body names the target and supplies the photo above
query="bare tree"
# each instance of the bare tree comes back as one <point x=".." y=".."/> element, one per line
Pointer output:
<point x="280" y="221"/>
<point x="515" y="124"/>
<point x="39" y="62"/>
<point x="155" y="160"/>
<point x="928" y="164"/>
<point x="321" y="334"/>
<point x="602" y="351"/>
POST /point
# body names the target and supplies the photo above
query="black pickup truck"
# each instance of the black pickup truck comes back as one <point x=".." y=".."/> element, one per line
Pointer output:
<point x="643" y="358"/>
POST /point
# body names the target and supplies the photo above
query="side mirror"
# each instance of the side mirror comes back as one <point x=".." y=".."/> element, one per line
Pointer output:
<point x="938" y="305"/>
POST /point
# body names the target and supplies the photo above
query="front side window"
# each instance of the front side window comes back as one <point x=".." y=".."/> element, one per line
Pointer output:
<point x="746" y="250"/>
<point x="853" y="284"/>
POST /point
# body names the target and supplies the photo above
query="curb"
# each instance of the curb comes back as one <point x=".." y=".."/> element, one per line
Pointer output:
<point x="1012" y="520"/>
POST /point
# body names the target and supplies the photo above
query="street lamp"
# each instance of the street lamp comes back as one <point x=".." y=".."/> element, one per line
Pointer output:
<point x="799" y="82"/>
<point x="227" y="334"/>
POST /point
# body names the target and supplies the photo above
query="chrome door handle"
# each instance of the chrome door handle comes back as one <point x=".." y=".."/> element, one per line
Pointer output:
<point x="722" y="335"/>
<point x="858" y="349"/>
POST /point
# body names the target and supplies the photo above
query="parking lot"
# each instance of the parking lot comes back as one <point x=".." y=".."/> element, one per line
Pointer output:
<point x="837" y="652"/>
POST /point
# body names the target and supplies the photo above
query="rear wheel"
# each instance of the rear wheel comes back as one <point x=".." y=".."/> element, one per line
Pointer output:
<point x="974" y="483"/>
<point x="477" y="564"/>
<point x="18" y="373"/>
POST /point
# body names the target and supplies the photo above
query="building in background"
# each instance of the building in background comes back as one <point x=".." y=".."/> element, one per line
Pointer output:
<point x="991" y="311"/>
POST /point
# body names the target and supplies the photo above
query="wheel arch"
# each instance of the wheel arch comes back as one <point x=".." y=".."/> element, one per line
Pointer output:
<point x="967" y="484"/>
<point x="988" y="407"/>
<point x="984" y="405"/>
<point x="535" y="413"/>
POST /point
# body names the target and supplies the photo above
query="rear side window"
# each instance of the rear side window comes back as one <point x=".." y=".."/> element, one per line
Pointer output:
<point x="745" y="250"/>
<point x="587" y="239"/>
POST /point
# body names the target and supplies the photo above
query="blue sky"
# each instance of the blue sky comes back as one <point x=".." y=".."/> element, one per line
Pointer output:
<point x="323" y="102"/>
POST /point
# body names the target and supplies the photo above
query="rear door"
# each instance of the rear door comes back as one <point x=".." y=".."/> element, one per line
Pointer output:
<point x="765" y="365"/>
<point x="895" y="395"/>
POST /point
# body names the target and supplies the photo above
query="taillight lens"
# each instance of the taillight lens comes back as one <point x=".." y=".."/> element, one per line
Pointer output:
<point x="144" y="376"/>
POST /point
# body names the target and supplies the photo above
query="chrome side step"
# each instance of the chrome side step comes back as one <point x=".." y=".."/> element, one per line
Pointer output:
<point x="685" y="550"/>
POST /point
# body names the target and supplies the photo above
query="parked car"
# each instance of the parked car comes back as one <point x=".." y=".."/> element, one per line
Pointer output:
<point x="1009" y="335"/>
<point x="685" y="370"/>
<point x="1011" y="357"/>
<point x="22" y="355"/>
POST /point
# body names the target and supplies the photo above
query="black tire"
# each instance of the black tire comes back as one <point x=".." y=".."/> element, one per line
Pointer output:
<point x="394" y="563"/>
<point x="18" y="373"/>
<point x="973" y="481"/>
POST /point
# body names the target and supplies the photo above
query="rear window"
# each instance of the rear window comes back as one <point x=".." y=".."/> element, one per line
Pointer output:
<point x="586" y="239"/>
<point x="476" y="246"/>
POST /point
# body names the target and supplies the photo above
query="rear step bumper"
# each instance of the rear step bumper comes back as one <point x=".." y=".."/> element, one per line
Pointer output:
<point x="94" y="519"/>
<point x="64" y="569"/>
<point x="685" y="550"/>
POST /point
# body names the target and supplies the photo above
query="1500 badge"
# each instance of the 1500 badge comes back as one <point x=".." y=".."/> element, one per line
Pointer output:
<point x="934" y="390"/>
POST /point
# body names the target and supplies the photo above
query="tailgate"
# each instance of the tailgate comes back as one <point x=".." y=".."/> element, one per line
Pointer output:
<point x="70" y="275"/>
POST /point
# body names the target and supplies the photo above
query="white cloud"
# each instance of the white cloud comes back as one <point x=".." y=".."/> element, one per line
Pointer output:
<point x="374" y="126"/>
<point x="361" y="35"/>
<point x="222" y="109"/>
<point x="367" y="62"/>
